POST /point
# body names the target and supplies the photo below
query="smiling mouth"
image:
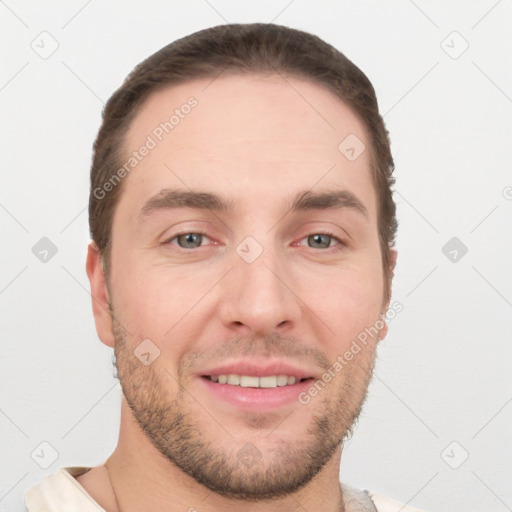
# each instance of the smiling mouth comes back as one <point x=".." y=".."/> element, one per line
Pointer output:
<point x="251" y="381"/>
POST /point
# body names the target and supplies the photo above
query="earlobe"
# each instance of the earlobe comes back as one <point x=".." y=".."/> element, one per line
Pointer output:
<point x="99" y="295"/>
<point x="383" y="332"/>
<point x="393" y="255"/>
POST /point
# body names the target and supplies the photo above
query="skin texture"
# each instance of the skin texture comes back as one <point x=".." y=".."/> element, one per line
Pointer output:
<point x="254" y="140"/>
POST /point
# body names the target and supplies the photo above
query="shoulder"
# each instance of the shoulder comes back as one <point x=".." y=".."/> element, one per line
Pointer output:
<point x="384" y="503"/>
<point x="59" y="491"/>
<point x="363" y="500"/>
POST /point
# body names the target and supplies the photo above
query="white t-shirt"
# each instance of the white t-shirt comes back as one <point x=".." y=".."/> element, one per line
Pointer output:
<point x="61" y="492"/>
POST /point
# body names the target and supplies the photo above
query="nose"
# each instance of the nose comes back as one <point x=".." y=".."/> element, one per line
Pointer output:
<point x="257" y="297"/>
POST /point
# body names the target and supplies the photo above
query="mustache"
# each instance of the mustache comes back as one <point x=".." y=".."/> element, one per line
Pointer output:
<point x="274" y="345"/>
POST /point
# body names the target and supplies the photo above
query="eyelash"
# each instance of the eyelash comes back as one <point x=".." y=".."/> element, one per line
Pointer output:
<point x="339" y="246"/>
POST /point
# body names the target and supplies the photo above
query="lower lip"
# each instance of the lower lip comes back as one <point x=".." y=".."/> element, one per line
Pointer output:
<point x="257" y="399"/>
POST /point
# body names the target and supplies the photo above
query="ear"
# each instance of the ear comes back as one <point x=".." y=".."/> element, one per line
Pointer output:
<point x="393" y="255"/>
<point x="99" y="295"/>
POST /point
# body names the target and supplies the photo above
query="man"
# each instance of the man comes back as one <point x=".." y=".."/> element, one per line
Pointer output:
<point x="243" y="227"/>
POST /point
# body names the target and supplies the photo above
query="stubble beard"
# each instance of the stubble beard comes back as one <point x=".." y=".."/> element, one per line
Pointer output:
<point x="283" y="469"/>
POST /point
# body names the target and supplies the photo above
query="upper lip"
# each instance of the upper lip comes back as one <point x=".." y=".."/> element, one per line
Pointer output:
<point x="252" y="368"/>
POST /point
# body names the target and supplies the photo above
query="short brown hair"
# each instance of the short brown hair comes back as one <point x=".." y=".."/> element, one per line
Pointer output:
<point x="240" y="48"/>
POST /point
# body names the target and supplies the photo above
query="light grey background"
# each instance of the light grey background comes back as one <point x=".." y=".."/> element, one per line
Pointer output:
<point x="443" y="373"/>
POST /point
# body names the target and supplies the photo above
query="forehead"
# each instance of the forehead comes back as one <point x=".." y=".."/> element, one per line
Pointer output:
<point x="250" y="133"/>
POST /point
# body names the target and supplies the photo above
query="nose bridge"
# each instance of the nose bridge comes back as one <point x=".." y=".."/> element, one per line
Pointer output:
<point x="256" y="294"/>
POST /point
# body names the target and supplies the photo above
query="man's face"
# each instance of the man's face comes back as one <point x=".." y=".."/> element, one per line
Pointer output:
<point x="259" y="289"/>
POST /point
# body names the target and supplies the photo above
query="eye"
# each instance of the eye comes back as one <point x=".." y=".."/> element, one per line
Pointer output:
<point x="188" y="240"/>
<point x="323" y="241"/>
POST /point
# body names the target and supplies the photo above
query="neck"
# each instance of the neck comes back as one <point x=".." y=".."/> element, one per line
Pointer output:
<point x="143" y="479"/>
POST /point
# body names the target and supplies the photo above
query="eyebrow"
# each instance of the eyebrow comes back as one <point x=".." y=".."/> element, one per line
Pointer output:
<point x="303" y="201"/>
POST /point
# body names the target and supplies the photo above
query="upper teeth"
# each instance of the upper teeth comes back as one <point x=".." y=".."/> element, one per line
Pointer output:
<point x="249" y="381"/>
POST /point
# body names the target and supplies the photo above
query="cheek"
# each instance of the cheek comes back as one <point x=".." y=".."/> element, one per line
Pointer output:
<point x="141" y="305"/>
<point x="349" y="303"/>
<point x="161" y="306"/>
